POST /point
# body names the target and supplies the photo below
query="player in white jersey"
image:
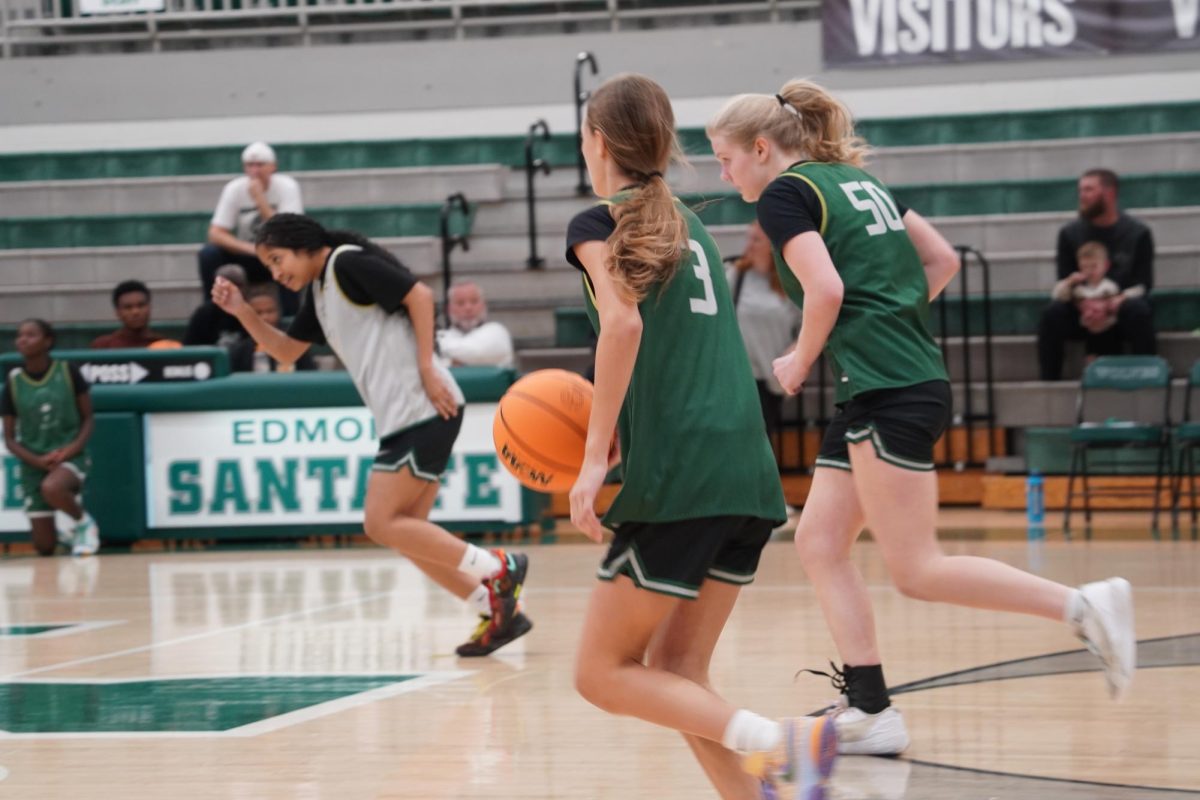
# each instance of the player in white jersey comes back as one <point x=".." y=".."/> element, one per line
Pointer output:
<point x="379" y="319"/>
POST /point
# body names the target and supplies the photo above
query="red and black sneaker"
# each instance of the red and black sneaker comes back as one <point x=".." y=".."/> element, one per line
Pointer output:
<point x="504" y="588"/>
<point x="487" y="638"/>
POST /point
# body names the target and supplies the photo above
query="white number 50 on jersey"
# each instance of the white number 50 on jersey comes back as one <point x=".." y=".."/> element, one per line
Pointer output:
<point x="706" y="305"/>
<point x="877" y="203"/>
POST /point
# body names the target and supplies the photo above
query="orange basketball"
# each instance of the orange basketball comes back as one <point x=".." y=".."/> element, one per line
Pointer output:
<point x="541" y="426"/>
<point x="164" y="344"/>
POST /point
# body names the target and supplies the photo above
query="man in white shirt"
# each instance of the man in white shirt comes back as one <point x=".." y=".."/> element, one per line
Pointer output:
<point x="471" y="340"/>
<point x="246" y="203"/>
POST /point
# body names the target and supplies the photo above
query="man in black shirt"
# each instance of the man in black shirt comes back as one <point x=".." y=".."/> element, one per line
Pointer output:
<point x="1131" y="251"/>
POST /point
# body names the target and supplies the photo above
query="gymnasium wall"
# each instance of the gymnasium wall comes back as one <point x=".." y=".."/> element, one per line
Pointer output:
<point x="459" y="77"/>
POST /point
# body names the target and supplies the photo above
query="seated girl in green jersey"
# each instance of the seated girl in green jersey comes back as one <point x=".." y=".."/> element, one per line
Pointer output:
<point x="863" y="268"/>
<point x="47" y="422"/>
<point x="379" y="320"/>
<point x="700" y="492"/>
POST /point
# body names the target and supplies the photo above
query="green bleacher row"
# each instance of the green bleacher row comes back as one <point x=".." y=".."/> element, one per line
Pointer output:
<point x="150" y="229"/>
<point x="942" y="200"/>
<point x="1012" y="314"/>
<point x="1128" y="120"/>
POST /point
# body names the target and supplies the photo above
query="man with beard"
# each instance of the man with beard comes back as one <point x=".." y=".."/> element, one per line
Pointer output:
<point x="1131" y="252"/>
<point x="471" y="340"/>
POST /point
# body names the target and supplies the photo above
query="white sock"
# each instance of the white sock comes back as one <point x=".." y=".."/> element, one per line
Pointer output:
<point x="1073" y="613"/>
<point x="480" y="601"/>
<point x="479" y="563"/>
<point x="749" y="732"/>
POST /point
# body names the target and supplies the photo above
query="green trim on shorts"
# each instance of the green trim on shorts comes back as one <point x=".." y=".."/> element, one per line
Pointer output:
<point x="637" y="573"/>
<point x="857" y="436"/>
<point x="409" y="459"/>
<point x="736" y="578"/>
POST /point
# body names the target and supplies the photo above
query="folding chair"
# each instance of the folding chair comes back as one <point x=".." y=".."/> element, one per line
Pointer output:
<point x="1131" y="379"/>
<point x="1187" y="439"/>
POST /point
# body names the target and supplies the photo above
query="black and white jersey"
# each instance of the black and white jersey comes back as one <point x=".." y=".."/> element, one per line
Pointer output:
<point x="357" y="307"/>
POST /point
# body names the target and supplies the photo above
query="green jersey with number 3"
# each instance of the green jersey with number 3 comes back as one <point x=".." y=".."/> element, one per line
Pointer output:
<point x="881" y="339"/>
<point x="693" y="442"/>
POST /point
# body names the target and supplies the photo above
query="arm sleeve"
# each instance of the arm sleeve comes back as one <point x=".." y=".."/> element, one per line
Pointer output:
<point x="593" y="225"/>
<point x="1142" y="273"/>
<point x="788" y="208"/>
<point x="290" y="201"/>
<point x="368" y="279"/>
<point x="305" y="325"/>
<point x="1061" y="292"/>
<point x="1066" y="255"/>
<point x="226" y="215"/>
<point x="80" y="383"/>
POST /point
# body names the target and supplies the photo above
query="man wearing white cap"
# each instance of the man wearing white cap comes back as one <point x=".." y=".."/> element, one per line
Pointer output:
<point x="247" y="202"/>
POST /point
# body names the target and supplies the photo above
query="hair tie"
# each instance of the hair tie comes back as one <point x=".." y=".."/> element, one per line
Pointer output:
<point x="646" y="177"/>
<point x="788" y="107"/>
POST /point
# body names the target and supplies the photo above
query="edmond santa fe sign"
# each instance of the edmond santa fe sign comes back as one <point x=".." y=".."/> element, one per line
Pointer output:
<point x="303" y="466"/>
<point x="288" y="467"/>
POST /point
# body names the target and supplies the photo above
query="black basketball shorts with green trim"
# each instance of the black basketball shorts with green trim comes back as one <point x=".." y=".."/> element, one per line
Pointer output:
<point x="901" y="424"/>
<point x="424" y="448"/>
<point x="675" y="558"/>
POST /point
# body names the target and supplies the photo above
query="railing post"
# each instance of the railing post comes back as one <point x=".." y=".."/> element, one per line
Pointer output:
<point x="581" y="97"/>
<point x="964" y="313"/>
<point x="532" y="165"/>
<point x="5" y="44"/>
<point x="449" y="242"/>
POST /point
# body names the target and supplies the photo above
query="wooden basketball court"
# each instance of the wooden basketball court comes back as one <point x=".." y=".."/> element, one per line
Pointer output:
<point x="307" y="673"/>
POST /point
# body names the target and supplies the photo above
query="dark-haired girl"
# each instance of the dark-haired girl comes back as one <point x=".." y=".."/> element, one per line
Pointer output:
<point x="379" y="320"/>
<point x="47" y="422"/>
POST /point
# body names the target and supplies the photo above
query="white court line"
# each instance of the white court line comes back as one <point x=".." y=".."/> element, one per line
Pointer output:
<point x="191" y="637"/>
<point x="269" y="725"/>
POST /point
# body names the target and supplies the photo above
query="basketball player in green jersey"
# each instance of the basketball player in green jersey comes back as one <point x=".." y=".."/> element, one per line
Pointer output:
<point x="47" y="414"/>
<point x="864" y="269"/>
<point x="700" y="492"/>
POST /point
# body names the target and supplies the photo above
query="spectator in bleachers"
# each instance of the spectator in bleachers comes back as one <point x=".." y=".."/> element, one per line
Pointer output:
<point x="471" y="340"/>
<point x="209" y="325"/>
<point x="768" y="320"/>
<point x="131" y="300"/>
<point x="1130" y="247"/>
<point x="246" y="203"/>
<point x="1091" y="291"/>
<point x="246" y="355"/>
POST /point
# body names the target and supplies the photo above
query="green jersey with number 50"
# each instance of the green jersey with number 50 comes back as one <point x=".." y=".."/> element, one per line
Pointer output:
<point x="693" y="442"/>
<point x="881" y="339"/>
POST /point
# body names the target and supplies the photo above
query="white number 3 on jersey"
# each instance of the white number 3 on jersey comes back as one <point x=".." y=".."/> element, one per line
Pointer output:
<point x="706" y="305"/>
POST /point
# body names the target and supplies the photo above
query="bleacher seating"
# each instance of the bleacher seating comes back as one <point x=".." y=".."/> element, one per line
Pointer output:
<point x="1004" y="182"/>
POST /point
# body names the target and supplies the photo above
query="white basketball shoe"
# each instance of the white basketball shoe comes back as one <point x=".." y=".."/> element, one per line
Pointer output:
<point x="87" y="536"/>
<point x="1103" y="620"/>
<point x="863" y="734"/>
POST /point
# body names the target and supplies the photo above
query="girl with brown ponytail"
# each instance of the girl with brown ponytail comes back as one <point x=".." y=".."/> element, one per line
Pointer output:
<point x="700" y="494"/>
<point x="863" y="269"/>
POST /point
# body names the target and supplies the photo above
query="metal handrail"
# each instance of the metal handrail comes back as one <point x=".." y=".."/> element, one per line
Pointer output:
<point x="970" y="416"/>
<point x="449" y="241"/>
<point x="581" y="97"/>
<point x="532" y="165"/>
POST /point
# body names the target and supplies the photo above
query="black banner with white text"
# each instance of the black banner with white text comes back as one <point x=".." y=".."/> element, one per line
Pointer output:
<point x="879" y="32"/>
